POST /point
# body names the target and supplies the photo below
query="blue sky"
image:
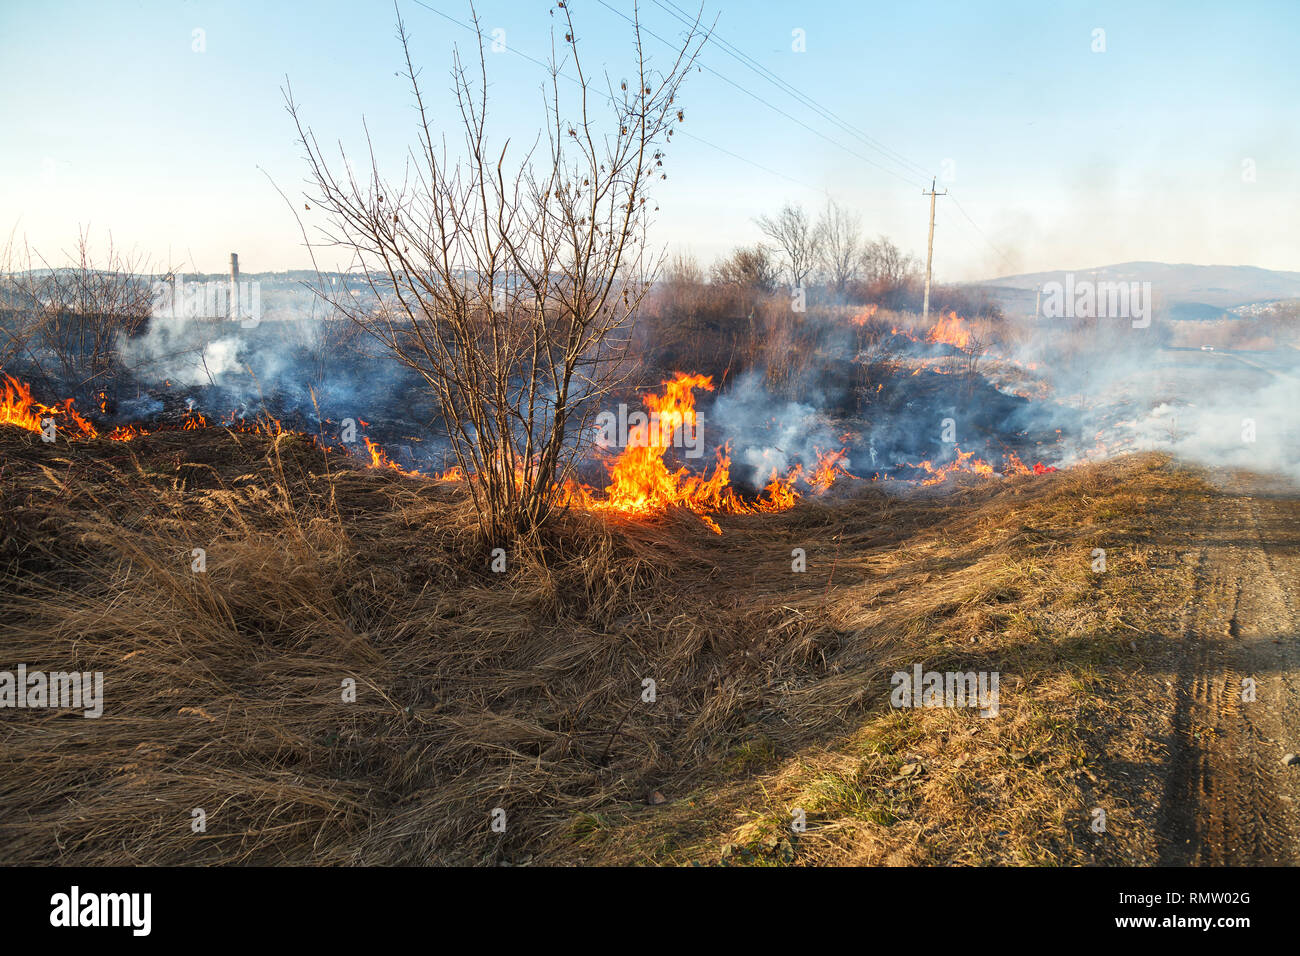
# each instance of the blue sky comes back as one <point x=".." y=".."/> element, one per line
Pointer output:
<point x="1061" y="157"/>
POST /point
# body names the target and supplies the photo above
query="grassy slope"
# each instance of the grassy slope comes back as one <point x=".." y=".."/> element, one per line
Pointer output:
<point x="523" y="691"/>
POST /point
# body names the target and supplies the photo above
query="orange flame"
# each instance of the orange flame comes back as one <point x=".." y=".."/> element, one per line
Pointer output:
<point x="17" y="407"/>
<point x="16" y="404"/>
<point x="828" y="468"/>
<point x="965" y="462"/>
<point x="1012" y="465"/>
<point x="126" y="433"/>
<point x="950" y="331"/>
<point x="264" y="423"/>
<point x="639" y="479"/>
<point x="379" y="459"/>
<point x="865" y="315"/>
<point x="641" y="483"/>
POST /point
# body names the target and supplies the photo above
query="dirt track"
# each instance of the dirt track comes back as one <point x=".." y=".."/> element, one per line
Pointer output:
<point x="1229" y="799"/>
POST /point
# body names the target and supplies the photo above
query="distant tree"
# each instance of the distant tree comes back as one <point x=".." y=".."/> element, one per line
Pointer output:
<point x="796" y="238"/>
<point x="840" y="243"/>
<point x="748" y="266"/>
<point x="885" y="264"/>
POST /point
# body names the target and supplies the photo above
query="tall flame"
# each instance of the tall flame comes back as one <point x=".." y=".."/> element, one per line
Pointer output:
<point x="864" y="315"/>
<point x="641" y="482"/>
<point x="17" y="407"/>
<point x="950" y="331"/>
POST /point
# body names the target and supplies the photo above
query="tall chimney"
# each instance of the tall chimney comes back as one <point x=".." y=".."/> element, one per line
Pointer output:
<point x="233" y="298"/>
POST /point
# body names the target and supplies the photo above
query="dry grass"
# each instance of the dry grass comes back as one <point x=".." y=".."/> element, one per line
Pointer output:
<point x="523" y="690"/>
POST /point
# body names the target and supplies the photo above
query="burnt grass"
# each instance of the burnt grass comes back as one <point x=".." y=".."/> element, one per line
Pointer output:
<point x="859" y="380"/>
<point x="523" y="691"/>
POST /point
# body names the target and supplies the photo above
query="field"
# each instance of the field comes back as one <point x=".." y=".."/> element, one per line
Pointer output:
<point x="505" y="717"/>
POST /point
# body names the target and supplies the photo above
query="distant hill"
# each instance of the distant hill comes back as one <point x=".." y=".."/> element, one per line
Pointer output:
<point x="1187" y="291"/>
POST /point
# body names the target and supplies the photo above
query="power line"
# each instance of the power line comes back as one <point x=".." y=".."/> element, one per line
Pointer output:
<point x="740" y="56"/>
<point x="545" y="66"/>
<point x="572" y="79"/>
<point x="748" y="61"/>
<point x="774" y="108"/>
<point x="992" y="245"/>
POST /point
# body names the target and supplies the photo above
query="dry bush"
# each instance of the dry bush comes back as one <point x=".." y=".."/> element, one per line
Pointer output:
<point x="749" y="270"/>
<point x="725" y="329"/>
<point x="509" y="281"/>
<point x="64" y="323"/>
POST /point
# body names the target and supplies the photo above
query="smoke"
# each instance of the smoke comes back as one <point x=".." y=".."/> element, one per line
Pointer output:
<point x="1233" y="416"/>
<point x="768" y="435"/>
<point x="296" y="362"/>
<point x="1061" y="391"/>
<point x="181" y="349"/>
<point x="1133" y="389"/>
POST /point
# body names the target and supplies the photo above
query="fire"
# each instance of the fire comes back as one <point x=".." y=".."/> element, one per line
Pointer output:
<point x="780" y="493"/>
<point x="379" y="459"/>
<point x="126" y="433"/>
<point x="639" y="479"/>
<point x="262" y="424"/>
<point x="828" y="468"/>
<point x="1012" y="465"/>
<point x="17" y="407"/>
<point x="964" y="462"/>
<point x="865" y="315"/>
<point x="641" y="483"/>
<point x="950" y="331"/>
<point x="967" y="463"/>
<point x="16" y="404"/>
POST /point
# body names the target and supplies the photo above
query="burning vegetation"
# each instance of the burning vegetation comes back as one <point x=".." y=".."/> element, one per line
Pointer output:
<point x="227" y="536"/>
<point x="222" y="685"/>
<point x="641" y="481"/>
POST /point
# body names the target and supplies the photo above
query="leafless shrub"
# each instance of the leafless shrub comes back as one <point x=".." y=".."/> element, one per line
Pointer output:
<point x="509" y="283"/>
<point x="65" y="322"/>
<point x="882" y="261"/>
<point x="748" y="267"/>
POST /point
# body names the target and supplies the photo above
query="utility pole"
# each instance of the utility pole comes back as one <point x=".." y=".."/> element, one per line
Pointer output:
<point x="929" y="251"/>
<point x="232" y="301"/>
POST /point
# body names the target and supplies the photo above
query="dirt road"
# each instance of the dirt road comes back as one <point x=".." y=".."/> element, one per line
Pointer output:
<point x="1229" y="798"/>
